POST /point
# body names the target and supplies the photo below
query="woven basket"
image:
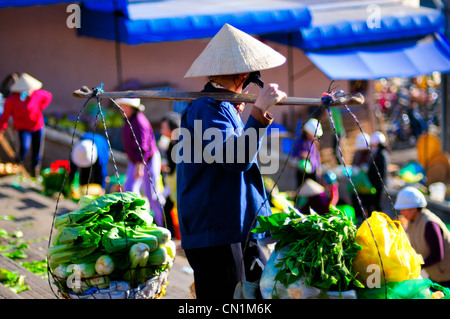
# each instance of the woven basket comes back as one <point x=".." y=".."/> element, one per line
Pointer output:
<point x="153" y="288"/>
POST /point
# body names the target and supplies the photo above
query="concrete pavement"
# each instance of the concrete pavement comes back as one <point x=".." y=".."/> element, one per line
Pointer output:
<point x="33" y="214"/>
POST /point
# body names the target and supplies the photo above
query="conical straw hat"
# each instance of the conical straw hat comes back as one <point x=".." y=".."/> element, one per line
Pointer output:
<point x="26" y="83"/>
<point x="310" y="188"/>
<point x="232" y="51"/>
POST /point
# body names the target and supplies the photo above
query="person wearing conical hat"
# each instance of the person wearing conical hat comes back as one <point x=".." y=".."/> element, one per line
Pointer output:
<point x="219" y="185"/>
<point x="25" y="104"/>
<point x="143" y="173"/>
<point x="313" y="196"/>
<point x="306" y="149"/>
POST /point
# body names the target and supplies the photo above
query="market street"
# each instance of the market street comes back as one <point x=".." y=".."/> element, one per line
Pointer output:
<point x="33" y="213"/>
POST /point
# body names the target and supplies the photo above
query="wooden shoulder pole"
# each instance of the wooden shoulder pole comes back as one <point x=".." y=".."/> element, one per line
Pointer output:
<point x="84" y="92"/>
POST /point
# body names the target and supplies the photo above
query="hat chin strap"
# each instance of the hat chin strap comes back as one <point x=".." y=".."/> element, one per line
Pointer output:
<point x="253" y="77"/>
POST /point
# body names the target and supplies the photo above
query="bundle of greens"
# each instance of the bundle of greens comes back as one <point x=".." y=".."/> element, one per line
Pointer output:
<point x="320" y="248"/>
<point x="94" y="244"/>
<point x="13" y="280"/>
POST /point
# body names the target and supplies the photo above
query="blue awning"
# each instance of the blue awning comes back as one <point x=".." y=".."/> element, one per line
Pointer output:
<point x="336" y="25"/>
<point x="28" y="3"/>
<point x="354" y="40"/>
<point x="175" y="20"/>
<point x="339" y="24"/>
<point x="386" y="59"/>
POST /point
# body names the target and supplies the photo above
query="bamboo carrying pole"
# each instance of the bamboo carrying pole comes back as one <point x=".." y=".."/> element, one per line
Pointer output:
<point x="85" y="92"/>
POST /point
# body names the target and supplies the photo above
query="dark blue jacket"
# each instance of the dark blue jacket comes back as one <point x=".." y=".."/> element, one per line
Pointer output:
<point x="218" y="199"/>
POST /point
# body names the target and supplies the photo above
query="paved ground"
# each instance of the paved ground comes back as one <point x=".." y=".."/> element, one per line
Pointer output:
<point x="34" y="212"/>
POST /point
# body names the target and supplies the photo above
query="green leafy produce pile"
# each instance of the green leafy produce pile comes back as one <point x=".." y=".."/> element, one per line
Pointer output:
<point x="13" y="280"/>
<point x="109" y="238"/>
<point x="320" y="248"/>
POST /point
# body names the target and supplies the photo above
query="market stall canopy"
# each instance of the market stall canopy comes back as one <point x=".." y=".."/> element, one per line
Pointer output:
<point x="341" y="24"/>
<point x="358" y="40"/>
<point x="175" y="20"/>
<point x="389" y="59"/>
<point x="28" y="3"/>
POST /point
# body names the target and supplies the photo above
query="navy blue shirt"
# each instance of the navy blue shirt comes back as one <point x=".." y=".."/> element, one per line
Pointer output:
<point x="219" y="191"/>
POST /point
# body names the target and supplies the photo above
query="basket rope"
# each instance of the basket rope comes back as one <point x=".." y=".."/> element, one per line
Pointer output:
<point x="96" y="94"/>
<point x="326" y="101"/>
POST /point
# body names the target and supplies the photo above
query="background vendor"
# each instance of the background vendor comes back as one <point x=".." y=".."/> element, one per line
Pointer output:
<point x="429" y="236"/>
<point x="90" y="157"/>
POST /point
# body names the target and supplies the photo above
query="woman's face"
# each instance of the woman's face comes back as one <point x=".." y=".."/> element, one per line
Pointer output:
<point x="410" y="213"/>
<point x="128" y="110"/>
<point x="165" y="129"/>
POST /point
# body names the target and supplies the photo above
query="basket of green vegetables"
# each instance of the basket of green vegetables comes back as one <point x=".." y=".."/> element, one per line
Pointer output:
<point x="110" y="248"/>
<point x="313" y="255"/>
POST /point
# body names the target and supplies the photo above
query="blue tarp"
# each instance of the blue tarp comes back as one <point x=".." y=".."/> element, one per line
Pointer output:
<point x="175" y="20"/>
<point x="362" y="25"/>
<point x="387" y="59"/>
<point x="334" y="25"/>
<point x="358" y="42"/>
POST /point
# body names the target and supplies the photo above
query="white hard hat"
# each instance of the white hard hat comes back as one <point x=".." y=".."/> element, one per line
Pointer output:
<point x="377" y="138"/>
<point x="84" y="153"/>
<point x="410" y="197"/>
<point x="311" y="126"/>
<point x="361" y="141"/>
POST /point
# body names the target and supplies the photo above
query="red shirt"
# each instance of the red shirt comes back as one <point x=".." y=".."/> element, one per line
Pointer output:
<point x="27" y="115"/>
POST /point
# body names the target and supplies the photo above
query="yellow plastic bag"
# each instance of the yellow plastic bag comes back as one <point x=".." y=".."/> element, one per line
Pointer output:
<point x="399" y="260"/>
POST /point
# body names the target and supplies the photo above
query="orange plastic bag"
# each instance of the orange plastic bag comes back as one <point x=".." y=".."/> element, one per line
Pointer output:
<point x="399" y="260"/>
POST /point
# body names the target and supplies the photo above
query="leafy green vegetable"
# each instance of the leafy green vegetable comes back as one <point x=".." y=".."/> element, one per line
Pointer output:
<point x="38" y="267"/>
<point x="4" y="233"/>
<point x="13" y="280"/>
<point x="14" y="250"/>
<point x="139" y="254"/>
<point x="159" y="257"/>
<point x="320" y="248"/>
<point x="85" y="270"/>
<point x="116" y="241"/>
<point x="68" y="254"/>
<point x="102" y="232"/>
<point x="7" y="217"/>
<point x="17" y="254"/>
<point x="104" y="265"/>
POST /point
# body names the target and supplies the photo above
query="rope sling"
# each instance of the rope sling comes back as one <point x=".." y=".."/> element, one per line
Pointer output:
<point x="328" y="99"/>
<point x="325" y="102"/>
<point x="95" y="94"/>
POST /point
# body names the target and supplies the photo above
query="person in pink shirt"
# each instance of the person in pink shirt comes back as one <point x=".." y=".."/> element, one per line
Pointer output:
<point x="25" y="105"/>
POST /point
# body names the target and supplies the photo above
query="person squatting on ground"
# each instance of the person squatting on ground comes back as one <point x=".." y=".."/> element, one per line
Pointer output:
<point x="428" y="234"/>
<point x="137" y="175"/>
<point x="218" y="201"/>
<point x="25" y="104"/>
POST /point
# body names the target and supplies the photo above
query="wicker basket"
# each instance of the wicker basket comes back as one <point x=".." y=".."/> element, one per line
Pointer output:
<point x="153" y="288"/>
